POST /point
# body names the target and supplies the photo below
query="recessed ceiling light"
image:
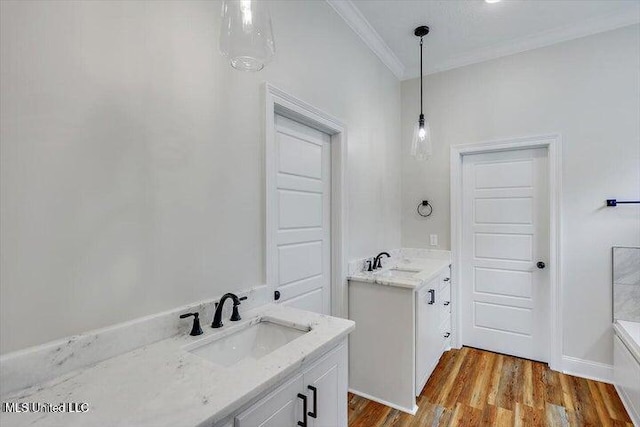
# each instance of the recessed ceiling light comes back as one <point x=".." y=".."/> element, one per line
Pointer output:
<point x="492" y="1"/>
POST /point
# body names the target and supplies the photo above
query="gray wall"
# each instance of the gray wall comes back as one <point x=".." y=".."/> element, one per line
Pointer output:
<point x="132" y="155"/>
<point x="589" y="91"/>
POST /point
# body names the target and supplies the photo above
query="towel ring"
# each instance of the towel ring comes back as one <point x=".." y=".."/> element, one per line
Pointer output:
<point x="427" y="207"/>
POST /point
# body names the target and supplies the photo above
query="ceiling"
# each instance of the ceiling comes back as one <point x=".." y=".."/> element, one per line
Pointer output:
<point x="466" y="32"/>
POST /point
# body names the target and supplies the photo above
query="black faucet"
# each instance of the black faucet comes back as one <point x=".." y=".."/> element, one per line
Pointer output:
<point x="377" y="262"/>
<point x="195" y="329"/>
<point x="235" y="316"/>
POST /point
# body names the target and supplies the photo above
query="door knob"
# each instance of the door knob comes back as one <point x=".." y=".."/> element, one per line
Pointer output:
<point x="540" y="264"/>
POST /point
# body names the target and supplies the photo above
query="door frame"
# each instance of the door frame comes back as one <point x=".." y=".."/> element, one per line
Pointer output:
<point x="553" y="144"/>
<point x="280" y="102"/>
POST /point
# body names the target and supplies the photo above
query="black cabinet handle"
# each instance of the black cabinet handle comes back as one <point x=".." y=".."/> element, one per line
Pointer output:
<point x="276" y="295"/>
<point x="447" y="302"/>
<point x="432" y="293"/>
<point x="447" y="335"/>
<point x="304" y="410"/>
<point x="314" y="414"/>
<point x="446" y="279"/>
<point x="540" y="265"/>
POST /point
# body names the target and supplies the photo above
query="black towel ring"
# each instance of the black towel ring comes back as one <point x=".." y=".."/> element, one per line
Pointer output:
<point x="428" y="206"/>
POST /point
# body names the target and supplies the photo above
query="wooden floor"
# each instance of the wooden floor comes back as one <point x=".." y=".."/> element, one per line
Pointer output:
<point x="471" y="387"/>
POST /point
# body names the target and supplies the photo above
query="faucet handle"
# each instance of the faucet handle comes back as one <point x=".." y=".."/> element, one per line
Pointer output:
<point x="195" y="329"/>
<point x="370" y="267"/>
<point x="235" y="315"/>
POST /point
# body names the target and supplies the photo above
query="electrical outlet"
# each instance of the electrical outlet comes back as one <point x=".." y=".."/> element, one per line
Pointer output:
<point x="433" y="239"/>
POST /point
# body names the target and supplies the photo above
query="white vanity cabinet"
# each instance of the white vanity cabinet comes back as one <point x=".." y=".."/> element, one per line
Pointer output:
<point x="279" y="408"/>
<point x="626" y="371"/>
<point x="433" y="326"/>
<point x="403" y="327"/>
<point x="428" y="341"/>
<point x="322" y="385"/>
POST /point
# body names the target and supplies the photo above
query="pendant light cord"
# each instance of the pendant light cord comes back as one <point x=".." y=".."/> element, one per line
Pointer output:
<point x="421" y="76"/>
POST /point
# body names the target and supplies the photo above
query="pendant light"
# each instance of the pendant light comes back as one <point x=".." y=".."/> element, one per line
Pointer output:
<point x="246" y="36"/>
<point x="421" y="143"/>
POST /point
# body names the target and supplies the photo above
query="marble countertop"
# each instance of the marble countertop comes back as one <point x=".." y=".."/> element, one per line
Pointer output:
<point x="426" y="270"/>
<point x="162" y="384"/>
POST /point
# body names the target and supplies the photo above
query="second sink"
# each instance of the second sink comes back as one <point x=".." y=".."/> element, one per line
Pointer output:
<point x="398" y="272"/>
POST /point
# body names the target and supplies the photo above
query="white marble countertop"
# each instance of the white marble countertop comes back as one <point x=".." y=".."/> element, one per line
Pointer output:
<point x="161" y="384"/>
<point x="426" y="269"/>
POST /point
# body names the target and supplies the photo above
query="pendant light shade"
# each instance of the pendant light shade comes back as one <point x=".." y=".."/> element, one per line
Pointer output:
<point x="246" y="36"/>
<point x="421" y="142"/>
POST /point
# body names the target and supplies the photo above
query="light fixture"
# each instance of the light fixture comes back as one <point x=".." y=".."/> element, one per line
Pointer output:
<point x="246" y="36"/>
<point x="421" y="143"/>
<point x="492" y="1"/>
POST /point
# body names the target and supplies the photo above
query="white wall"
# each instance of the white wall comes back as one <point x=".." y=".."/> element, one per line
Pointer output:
<point x="132" y="159"/>
<point x="589" y="91"/>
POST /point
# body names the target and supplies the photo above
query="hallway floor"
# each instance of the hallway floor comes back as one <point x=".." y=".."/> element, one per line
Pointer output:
<point x="472" y="387"/>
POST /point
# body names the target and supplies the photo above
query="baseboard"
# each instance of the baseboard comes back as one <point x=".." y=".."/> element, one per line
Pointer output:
<point x="384" y="402"/>
<point x="587" y="369"/>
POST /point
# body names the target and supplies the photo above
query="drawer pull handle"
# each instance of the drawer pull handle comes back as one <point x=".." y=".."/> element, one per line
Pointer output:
<point x="447" y="335"/>
<point x="314" y="414"/>
<point x="446" y="279"/>
<point x="304" y="410"/>
<point x="432" y="294"/>
<point x="447" y="302"/>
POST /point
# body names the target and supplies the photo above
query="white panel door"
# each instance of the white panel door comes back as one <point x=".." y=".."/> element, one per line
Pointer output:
<point x="301" y="250"/>
<point x="505" y="233"/>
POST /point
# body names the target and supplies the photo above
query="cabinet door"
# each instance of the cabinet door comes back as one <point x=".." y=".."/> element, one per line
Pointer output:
<point x="282" y="408"/>
<point x="428" y="338"/>
<point x="326" y="389"/>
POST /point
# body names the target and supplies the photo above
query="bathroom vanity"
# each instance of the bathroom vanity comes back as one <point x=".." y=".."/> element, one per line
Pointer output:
<point x="403" y="313"/>
<point x="277" y="366"/>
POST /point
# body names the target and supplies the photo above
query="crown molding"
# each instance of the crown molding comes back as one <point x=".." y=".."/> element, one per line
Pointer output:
<point x="535" y="41"/>
<point x="359" y="24"/>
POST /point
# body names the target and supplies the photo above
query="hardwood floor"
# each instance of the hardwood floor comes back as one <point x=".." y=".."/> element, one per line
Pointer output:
<point x="471" y="387"/>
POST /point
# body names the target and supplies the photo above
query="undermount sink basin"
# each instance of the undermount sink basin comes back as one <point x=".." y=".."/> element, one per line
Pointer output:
<point x="399" y="272"/>
<point x="249" y="343"/>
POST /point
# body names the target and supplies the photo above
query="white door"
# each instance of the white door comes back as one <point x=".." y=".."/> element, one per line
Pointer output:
<point x="301" y="248"/>
<point x="505" y="234"/>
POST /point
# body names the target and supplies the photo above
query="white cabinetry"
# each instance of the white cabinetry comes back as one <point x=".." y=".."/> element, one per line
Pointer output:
<point x="626" y="371"/>
<point x="321" y="388"/>
<point x="278" y="409"/>
<point x="433" y="326"/>
<point x="400" y="335"/>
<point x="428" y="346"/>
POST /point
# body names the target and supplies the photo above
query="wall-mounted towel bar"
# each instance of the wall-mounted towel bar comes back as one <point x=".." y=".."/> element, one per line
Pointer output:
<point x="614" y="202"/>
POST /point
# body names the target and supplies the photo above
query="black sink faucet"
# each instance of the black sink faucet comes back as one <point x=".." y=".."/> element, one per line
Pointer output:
<point x="235" y="316"/>
<point x="195" y="329"/>
<point x="377" y="262"/>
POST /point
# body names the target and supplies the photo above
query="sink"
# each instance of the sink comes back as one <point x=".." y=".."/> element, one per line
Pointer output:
<point x="251" y="342"/>
<point x="398" y="272"/>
